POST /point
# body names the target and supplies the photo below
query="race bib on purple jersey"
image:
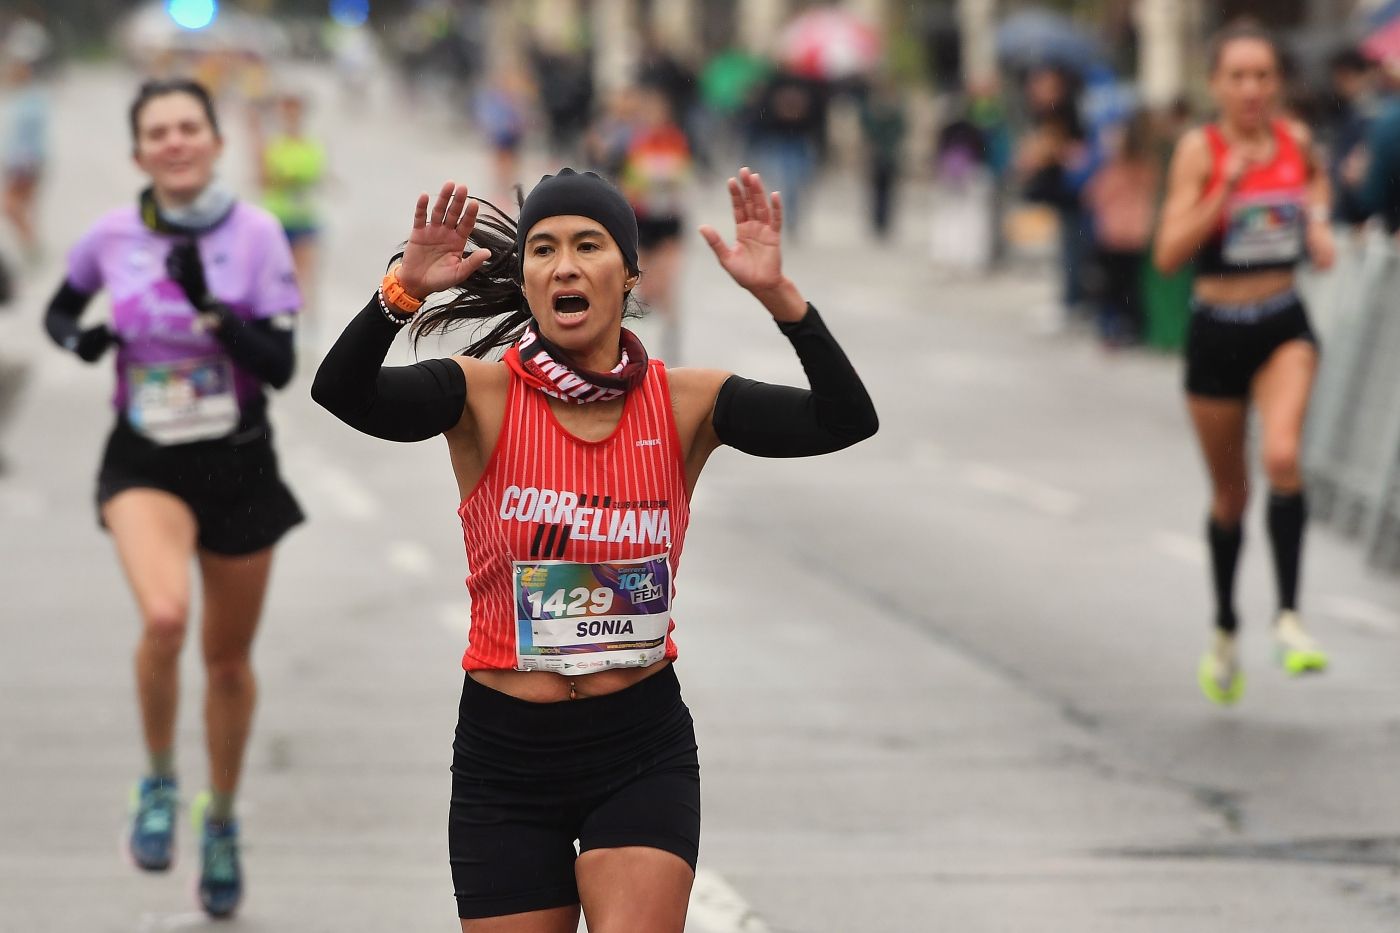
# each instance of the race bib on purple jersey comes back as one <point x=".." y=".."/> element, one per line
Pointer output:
<point x="182" y="401"/>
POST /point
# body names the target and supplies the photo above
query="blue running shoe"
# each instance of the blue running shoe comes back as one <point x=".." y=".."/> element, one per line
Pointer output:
<point x="220" y="875"/>
<point x="152" y="843"/>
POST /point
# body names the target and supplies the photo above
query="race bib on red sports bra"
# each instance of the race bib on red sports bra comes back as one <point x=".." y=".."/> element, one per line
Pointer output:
<point x="182" y="401"/>
<point x="583" y="618"/>
<point x="1264" y="228"/>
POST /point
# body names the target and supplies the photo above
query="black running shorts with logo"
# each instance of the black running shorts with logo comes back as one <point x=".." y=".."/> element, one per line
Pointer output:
<point x="232" y="485"/>
<point x="1227" y="345"/>
<point x="528" y="779"/>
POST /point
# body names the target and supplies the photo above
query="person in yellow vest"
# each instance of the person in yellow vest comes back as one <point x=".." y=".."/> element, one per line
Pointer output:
<point x="291" y="168"/>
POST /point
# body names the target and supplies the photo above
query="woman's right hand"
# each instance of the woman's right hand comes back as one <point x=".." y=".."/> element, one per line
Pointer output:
<point x="433" y="260"/>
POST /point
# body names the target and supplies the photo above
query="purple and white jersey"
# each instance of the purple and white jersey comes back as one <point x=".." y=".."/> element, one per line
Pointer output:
<point x="247" y="264"/>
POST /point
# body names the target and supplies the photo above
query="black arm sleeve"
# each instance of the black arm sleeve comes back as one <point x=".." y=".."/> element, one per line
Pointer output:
<point x="260" y="347"/>
<point x="783" y="421"/>
<point x="396" y="403"/>
<point x="65" y="309"/>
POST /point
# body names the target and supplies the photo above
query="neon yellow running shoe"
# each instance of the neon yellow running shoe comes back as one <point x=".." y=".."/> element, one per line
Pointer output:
<point x="1297" y="652"/>
<point x="1219" y="674"/>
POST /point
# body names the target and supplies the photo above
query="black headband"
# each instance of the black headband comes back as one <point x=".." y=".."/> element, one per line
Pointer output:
<point x="586" y="195"/>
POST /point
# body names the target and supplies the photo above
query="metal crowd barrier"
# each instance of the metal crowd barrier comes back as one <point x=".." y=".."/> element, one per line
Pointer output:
<point x="1351" y="446"/>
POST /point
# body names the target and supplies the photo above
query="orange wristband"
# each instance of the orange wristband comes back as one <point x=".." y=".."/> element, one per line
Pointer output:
<point x="395" y="296"/>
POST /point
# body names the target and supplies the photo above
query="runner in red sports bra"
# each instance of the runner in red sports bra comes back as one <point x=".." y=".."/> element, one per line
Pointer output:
<point x="575" y="457"/>
<point x="1265" y="216"/>
<point x="1247" y="202"/>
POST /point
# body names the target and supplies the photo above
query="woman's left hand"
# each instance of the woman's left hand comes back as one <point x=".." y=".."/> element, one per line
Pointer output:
<point x="1322" y="247"/>
<point x="755" y="260"/>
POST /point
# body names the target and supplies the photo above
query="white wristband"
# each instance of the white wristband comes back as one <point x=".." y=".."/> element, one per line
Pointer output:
<point x="398" y="320"/>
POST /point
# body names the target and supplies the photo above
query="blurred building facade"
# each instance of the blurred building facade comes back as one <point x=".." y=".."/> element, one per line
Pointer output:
<point x="1157" y="42"/>
<point x="1154" y="41"/>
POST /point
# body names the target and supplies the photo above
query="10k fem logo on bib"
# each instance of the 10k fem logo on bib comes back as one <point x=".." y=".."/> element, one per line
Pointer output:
<point x="576" y="618"/>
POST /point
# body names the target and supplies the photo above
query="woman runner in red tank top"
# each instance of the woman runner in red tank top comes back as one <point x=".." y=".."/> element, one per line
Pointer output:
<point x="575" y="456"/>
<point x="1247" y="202"/>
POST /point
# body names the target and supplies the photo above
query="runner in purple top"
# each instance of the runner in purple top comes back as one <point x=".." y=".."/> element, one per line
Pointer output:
<point x="203" y="300"/>
<point x="249" y="271"/>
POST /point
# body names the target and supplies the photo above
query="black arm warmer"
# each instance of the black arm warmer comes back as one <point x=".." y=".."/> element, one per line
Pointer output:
<point x="782" y="421"/>
<point x="396" y="403"/>
<point x="259" y="347"/>
<point x="61" y="319"/>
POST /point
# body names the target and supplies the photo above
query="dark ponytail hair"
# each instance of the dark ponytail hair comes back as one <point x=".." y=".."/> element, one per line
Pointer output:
<point x="150" y="90"/>
<point x="492" y="298"/>
<point x="1243" y="29"/>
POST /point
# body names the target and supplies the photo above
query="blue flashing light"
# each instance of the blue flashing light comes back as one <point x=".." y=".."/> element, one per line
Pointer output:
<point x="192" y="14"/>
<point x="350" y="12"/>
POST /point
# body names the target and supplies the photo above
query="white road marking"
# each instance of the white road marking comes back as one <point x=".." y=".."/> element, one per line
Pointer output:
<point x="1041" y="497"/>
<point x="347" y="495"/>
<point x="1180" y="547"/>
<point x="1361" y="613"/>
<point x="351" y="498"/>
<point x="410" y="558"/>
<point x="715" y="907"/>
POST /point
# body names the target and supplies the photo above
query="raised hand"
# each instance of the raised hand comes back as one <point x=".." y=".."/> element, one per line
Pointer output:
<point x="755" y="260"/>
<point x="433" y="260"/>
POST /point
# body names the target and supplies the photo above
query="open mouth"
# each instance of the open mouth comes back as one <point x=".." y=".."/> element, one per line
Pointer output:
<point x="570" y="305"/>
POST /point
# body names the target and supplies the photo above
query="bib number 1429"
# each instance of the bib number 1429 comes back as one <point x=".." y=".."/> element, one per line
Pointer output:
<point x="575" y="602"/>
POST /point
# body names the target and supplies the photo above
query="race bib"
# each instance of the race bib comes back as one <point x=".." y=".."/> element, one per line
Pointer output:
<point x="583" y="618"/>
<point x="1266" y="228"/>
<point x="182" y="401"/>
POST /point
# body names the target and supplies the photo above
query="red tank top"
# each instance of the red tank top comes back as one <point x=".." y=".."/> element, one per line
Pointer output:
<point x="572" y="545"/>
<point x="1265" y="217"/>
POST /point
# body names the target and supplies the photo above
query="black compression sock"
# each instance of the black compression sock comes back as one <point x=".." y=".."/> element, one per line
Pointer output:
<point x="1288" y="513"/>
<point x="1224" y="556"/>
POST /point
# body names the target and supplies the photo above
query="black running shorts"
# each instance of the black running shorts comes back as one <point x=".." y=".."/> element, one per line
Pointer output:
<point x="1227" y="345"/>
<point x="232" y="485"/>
<point x="530" y="779"/>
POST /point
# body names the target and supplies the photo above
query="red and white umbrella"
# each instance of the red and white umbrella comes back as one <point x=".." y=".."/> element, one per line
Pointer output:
<point x="1383" y="45"/>
<point x="829" y="43"/>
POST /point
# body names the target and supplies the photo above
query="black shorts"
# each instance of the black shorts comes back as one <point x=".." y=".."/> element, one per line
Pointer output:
<point x="528" y="779"/>
<point x="1226" y="345"/>
<point x="231" y="485"/>
<point x="653" y="231"/>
